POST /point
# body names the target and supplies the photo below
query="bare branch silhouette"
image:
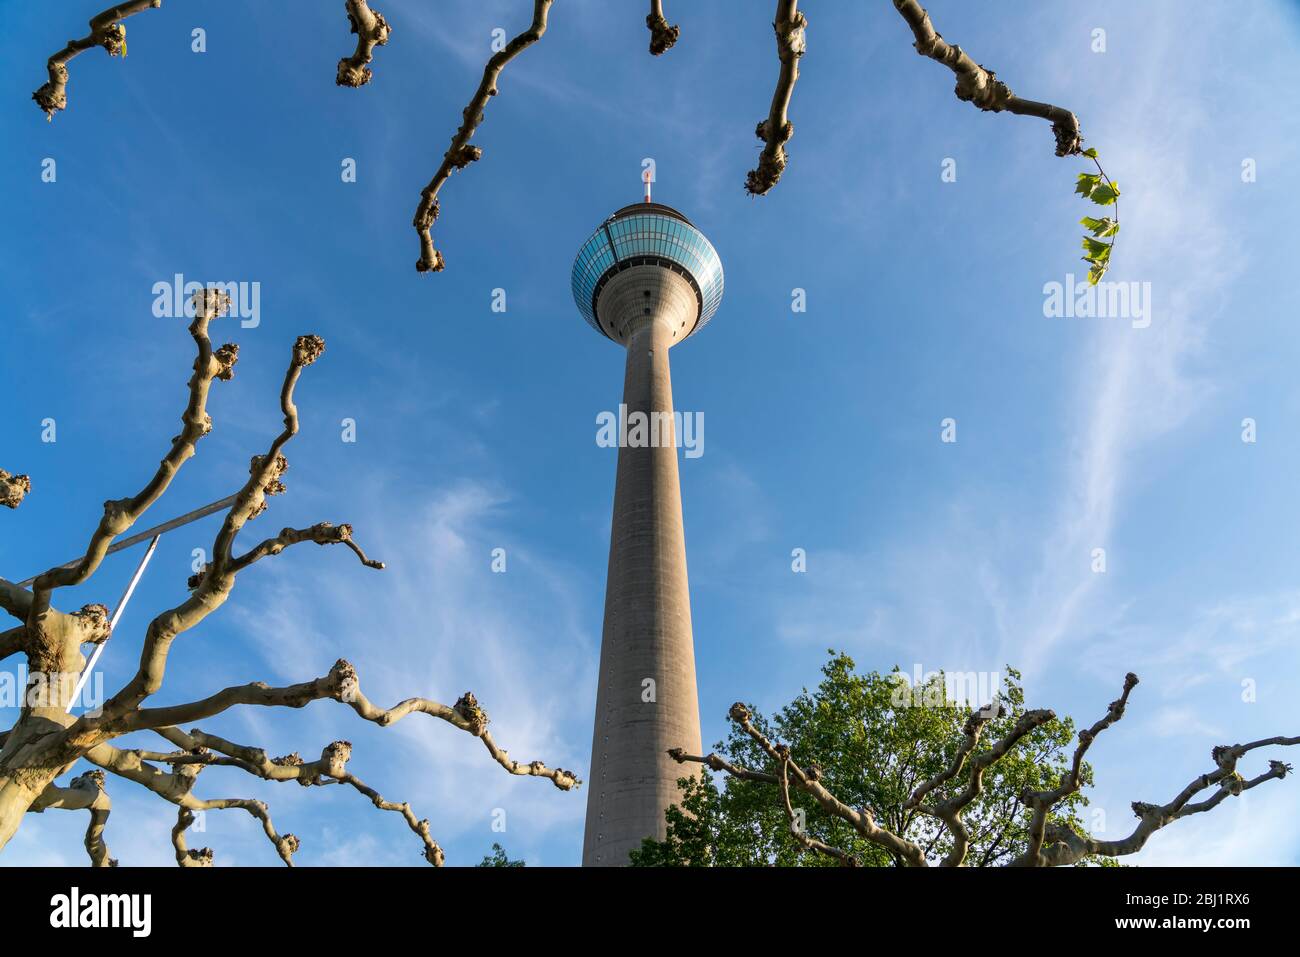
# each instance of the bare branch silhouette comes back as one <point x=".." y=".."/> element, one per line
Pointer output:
<point x="776" y="130"/>
<point x="662" y="36"/>
<point x="46" y="741"/>
<point x="1066" y="846"/>
<point x="85" y="793"/>
<point x="107" y="31"/>
<point x="975" y="84"/>
<point x="372" y="31"/>
<point x="980" y="86"/>
<point x="13" y="488"/>
<point x="460" y="154"/>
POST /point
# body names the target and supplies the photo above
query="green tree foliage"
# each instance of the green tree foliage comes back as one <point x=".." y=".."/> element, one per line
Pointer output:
<point x="1098" y="188"/>
<point x="875" y="739"/>
<point x="498" y="858"/>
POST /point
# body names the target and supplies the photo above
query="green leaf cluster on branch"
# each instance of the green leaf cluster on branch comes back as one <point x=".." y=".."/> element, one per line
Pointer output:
<point x="498" y="858"/>
<point x="1098" y="188"/>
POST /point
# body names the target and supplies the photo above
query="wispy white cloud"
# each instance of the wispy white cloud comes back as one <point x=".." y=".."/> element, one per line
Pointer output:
<point x="438" y="622"/>
<point x="1137" y="383"/>
<point x="1170" y="722"/>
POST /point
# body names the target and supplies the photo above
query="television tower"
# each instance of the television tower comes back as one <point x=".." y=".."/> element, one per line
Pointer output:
<point x="646" y="279"/>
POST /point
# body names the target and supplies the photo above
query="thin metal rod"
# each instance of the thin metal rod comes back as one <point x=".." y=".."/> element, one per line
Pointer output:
<point x="112" y="622"/>
<point x="151" y="532"/>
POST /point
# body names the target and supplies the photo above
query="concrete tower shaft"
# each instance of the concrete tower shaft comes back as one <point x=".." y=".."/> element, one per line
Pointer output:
<point x="647" y="631"/>
<point x="646" y="279"/>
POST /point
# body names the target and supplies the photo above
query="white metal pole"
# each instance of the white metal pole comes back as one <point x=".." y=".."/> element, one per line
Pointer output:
<point x="149" y="533"/>
<point x="112" y="623"/>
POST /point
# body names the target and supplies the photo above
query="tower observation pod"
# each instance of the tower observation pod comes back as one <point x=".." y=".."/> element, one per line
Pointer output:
<point x="648" y="280"/>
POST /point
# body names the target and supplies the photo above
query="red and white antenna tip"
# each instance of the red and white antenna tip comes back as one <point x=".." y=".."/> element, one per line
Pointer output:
<point x="646" y="178"/>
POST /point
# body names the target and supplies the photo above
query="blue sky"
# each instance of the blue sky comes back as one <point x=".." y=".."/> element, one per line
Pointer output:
<point x="476" y="430"/>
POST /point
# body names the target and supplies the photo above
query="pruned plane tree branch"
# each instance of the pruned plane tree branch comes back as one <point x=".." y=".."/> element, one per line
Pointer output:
<point x="13" y="489"/>
<point x="775" y="131"/>
<point x="662" y="34"/>
<point x="372" y="31"/>
<point x="46" y="742"/>
<point x="107" y="31"/>
<point x="980" y="86"/>
<point x="85" y="793"/>
<point x="976" y="84"/>
<point x="947" y="796"/>
<point x="461" y="152"/>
